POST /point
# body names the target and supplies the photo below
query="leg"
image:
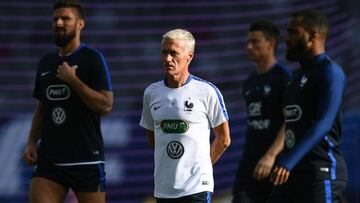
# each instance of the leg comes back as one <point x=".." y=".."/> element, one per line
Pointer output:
<point x="43" y="190"/>
<point x="91" y="197"/>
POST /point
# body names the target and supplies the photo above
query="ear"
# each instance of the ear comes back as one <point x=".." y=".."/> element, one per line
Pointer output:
<point x="81" y="24"/>
<point x="190" y="56"/>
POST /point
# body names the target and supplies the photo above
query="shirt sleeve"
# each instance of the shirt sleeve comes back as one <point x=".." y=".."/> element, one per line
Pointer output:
<point x="37" y="93"/>
<point x="101" y="76"/>
<point x="217" y="112"/>
<point x="330" y="86"/>
<point x="146" y="120"/>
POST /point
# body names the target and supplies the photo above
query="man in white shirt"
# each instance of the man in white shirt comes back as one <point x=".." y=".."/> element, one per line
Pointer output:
<point x="178" y="113"/>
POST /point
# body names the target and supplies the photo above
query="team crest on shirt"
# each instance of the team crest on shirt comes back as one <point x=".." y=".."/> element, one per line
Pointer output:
<point x="267" y="89"/>
<point x="175" y="149"/>
<point x="188" y="105"/>
<point x="58" y="115"/>
<point x="303" y="81"/>
<point x="289" y="138"/>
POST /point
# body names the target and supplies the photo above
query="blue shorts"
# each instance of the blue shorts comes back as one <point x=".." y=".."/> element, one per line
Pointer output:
<point x="80" y="178"/>
<point x="202" y="197"/>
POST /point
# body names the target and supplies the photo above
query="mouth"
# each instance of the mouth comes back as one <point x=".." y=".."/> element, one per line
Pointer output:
<point x="60" y="31"/>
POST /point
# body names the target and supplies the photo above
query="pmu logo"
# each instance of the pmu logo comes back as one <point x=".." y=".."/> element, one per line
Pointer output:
<point x="57" y="92"/>
<point x="293" y="113"/>
<point x="175" y="150"/>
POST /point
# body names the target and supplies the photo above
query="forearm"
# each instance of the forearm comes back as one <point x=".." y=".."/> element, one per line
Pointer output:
<point x="278" y="143"/>
<point x="221" y="142"/>
<point x="98" y="101"/>
<point x="35" y="134"/>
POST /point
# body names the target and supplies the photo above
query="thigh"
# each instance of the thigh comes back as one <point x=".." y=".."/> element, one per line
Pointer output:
<point x="86" y="179"/>
<point x="91" y="197"/>
<point x="43" y="190"/>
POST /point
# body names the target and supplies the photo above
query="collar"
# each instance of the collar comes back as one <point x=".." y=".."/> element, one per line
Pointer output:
<point x="186" y="82"/>
<point x="311" y="62"/>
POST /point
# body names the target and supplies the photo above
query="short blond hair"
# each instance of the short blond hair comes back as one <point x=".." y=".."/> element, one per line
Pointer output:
<point x="180" y="34"/>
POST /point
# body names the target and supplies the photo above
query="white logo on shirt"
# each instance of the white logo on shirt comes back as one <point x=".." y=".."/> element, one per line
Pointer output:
<point x="303" y="81"/>
<point x="293" y="113"/>
<point x="58" y="116"/>
<point x="289" y="138"/>
<point x="57" y="92"/>
<point x="267" y="89"/>
<point x="45" y="73"/>
<point x="254" y="109"/>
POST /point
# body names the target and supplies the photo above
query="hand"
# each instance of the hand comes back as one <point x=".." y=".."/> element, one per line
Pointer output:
<point x="30" y="154"/>
<point x="279" y="175"/>
<point x="66" y="73"/>
<point x="263" y="167"/>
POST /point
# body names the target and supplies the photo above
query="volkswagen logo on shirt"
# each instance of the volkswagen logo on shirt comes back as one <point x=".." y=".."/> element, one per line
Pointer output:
<point x="175" y="150"/>
<point x="58" y="115"/>
<point x="293" y="113"/>
<point x="289" y="138"/>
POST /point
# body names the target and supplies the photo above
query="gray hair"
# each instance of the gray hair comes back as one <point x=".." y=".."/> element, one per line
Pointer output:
<point x="180" y="34"/>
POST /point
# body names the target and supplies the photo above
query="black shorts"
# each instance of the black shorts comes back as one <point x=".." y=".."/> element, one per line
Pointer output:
<point x="80" y="178"/>
<point x="325" y="191"/>
<point x="202" y="197"/>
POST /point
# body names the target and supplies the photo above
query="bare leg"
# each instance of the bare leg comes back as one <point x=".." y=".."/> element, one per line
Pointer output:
<point x="43" y="190"/>
<point x="91" y="197"/>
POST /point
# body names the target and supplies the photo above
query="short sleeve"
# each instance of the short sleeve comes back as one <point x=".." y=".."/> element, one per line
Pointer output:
<point x="101" y="77"/>
<point x="147" y="120"/>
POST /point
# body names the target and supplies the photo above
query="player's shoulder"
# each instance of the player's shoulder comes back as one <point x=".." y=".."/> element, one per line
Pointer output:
<point x="92" y="52"/>
<point x="154" y="87"/>
<point x="204" y="87"/>
<point x="201" y="83"/>
<point x="328" y="67"/>
<point x="282" y="70"/>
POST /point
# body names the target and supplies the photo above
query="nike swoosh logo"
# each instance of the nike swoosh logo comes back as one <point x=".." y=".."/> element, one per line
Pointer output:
<point x="156" y="107"/>
<point x="45" y="73"/>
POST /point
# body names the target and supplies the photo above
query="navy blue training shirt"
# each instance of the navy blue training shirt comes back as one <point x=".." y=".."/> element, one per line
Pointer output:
<point x="312" y="109"/>
<point x="263" y="94"/>
<point x="70" y="131"/>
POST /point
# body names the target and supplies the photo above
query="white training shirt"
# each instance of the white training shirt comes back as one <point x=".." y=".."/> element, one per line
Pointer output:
<point x="181" y="119"/>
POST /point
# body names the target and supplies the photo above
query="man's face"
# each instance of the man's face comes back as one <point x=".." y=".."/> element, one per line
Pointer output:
<point x="175" y="56"/>
<point x="258" y="46"/>
<point x="296" y="40"/>
<point x="66" y="24"/>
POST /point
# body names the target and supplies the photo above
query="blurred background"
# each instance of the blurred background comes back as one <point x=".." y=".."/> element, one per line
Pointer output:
<point x="129" y="35"/>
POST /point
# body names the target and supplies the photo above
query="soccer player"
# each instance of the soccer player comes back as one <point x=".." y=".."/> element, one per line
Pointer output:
<point x="73" y="89"/>
<point x="263" y="92"/>
<point x="313" y="121"/>
<point x="178" y="114"/>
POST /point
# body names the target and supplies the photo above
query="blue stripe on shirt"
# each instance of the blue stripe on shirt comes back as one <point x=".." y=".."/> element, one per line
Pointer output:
<point x="221" y="101"/>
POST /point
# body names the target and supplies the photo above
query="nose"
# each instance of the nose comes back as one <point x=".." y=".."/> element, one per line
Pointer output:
<point x="248" y="46"/>
<point x="58" y="22"/>
<point x="167" y="57"/>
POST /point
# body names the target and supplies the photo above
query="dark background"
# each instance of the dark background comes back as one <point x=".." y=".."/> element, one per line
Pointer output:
<point x="129" y="34"/>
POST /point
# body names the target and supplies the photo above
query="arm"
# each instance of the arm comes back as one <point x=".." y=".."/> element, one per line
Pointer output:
<point x="98" y="101"/>
<point x="221" y="142"/>
<point x="330" y="90"/>
<point x="30" y="152"/>
<point x="151" y="139"/>
<point x="331" y="85"/>
<point x="265" y="164"/>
